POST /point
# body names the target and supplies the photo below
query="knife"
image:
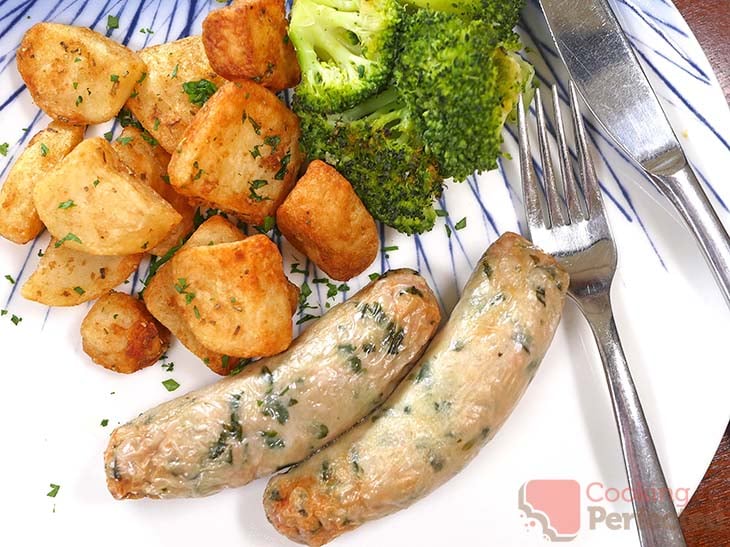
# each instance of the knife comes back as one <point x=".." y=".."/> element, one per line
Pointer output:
<point x="608" y="75"/>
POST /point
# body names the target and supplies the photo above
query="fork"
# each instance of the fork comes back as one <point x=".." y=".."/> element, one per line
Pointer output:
<point x="577" y="233"/>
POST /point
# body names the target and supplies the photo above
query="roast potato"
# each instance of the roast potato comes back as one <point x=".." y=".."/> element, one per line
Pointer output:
<point x="148" y="162"/>
<point x="119" y="333"/>
<point x="248" y="41"/>
<point x="235" y="297"/>
<point x="160" y="296"/>
<point x="323" y="218"/>
<point x="19" y="221"/>
<point x="67" y="277"/>
<point x="76" y="75"/>
<point x="241" y="153"/>
<point x="160" y="102"/>
<point x="92" y="203"/>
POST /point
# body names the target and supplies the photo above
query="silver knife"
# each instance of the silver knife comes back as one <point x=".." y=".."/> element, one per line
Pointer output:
<point x="607" y="73"/>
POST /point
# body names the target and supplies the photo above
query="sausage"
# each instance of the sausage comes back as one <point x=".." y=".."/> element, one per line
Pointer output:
<point x="456" y="398"/>
<point x="280" y="409"/>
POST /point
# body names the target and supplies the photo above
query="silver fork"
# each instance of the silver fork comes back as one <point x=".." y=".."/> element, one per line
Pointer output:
<point x="579" y="237"/>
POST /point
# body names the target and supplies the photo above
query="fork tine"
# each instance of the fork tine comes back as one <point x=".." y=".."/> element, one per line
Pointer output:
<point x="570" y="186"/>
<point x="587" y="170"/>
<point x="555" y="208"/>
<point x="533" y="207"/>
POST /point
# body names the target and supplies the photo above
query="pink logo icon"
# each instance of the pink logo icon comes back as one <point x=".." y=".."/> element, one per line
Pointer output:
<point x="555" y="504"/>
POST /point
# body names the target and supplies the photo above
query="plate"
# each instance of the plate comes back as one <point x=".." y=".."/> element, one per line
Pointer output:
<point x="671" y="316"/>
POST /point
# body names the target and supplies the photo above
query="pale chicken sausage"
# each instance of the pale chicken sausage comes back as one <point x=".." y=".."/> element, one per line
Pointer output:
<point x="278" y="410"/>
<point x="463" y="389"/>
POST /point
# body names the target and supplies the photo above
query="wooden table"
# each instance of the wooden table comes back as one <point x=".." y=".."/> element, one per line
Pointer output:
<point x="706" y="520"/>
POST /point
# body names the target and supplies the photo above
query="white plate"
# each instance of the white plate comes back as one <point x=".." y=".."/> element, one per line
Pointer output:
<point x="671" y="315"/>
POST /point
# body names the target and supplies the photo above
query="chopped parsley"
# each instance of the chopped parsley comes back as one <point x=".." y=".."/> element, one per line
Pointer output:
<point x="269" y="223"/>
<point x="79" y="290"/>
<point x="272" y="439"/>
<point x="281" y="173"/>
<point x="156" y="125"/>
<point x="273" y="407"/>
<point x="373" y="276"/>
<point x="255" y="185"/>
<point x="112" y="22"/>
<point x="68" y="237"/>
<point x="320" y="430"/>
<point x="256" y="125"/>
<point x="540" y="294"/>
<point x="44" y="150"/>
<point x="173" y="74"/>
<point x="105" y="422"/>
<point x="109" y="135"/>
<point x="125" y="140"/>
<point x="15" y="319"/>
<point x="200" y="171"/>
<point x="66" y="204"/>
<point x="114" y="78"/>
<point x="273" y="141"/>
<point x="10" y="278"/>
<point x="170" y="384"/>
<point x="181" y="287"/>
<point x="296" y="269"/>
<point x="461" y="224"/>
<point x="54" y="490"/>
<point x="4" y="148"/>
<point x="199" y="91"/>
<point x="441" y="213"/>
<point x="79" y="100"/>
<point x="146" y="31"/>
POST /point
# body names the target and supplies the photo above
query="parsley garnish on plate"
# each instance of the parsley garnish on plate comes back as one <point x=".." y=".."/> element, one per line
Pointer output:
<point x="112" y="22"/>
<point x="54" y="490"/>
<point x="170" y="384"/>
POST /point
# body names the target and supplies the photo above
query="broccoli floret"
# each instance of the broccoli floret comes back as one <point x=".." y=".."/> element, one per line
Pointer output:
<point x="460" y="79"/>
<point x="375" y="146"/>
<point x="346" y="49"/>
<point x="500" y="14"/>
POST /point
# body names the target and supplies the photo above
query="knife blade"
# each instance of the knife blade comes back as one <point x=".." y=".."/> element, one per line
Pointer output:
<point x="606" y="71"/>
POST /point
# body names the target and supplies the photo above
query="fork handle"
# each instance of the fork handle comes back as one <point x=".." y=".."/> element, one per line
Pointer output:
<point x="686" y="194"/>
<point x="656" y="517"/>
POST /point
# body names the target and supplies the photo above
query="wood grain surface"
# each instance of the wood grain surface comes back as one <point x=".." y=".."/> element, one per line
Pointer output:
<point x="706" y="520"/>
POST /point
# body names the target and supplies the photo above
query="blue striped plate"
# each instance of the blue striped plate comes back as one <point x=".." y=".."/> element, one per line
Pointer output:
<point x="668" y="309"/>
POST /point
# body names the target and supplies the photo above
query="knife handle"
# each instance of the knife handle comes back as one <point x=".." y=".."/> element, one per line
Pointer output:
<point x="685" y="192"/>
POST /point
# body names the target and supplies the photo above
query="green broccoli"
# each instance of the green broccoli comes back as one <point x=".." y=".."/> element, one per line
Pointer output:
<point x="439" y="114"/>
<point x="375" y="146"/>
<point x="460" y="79"/>
<point x="500" y="14"/>
<point x="346" y="49"/>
